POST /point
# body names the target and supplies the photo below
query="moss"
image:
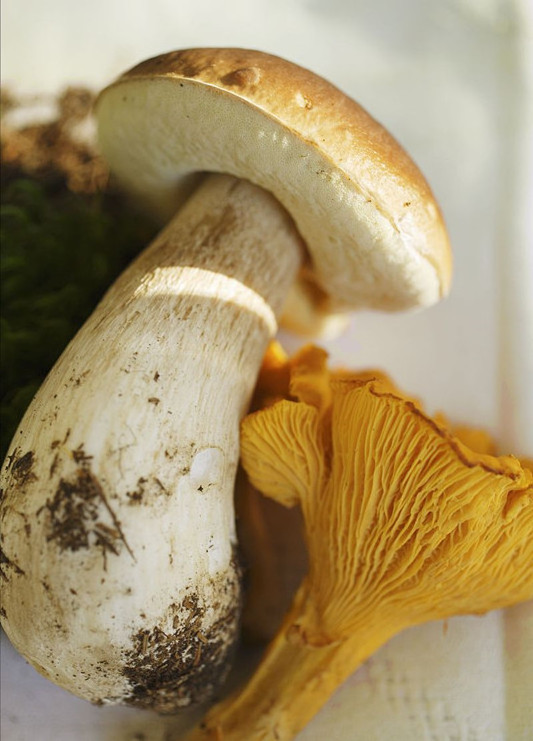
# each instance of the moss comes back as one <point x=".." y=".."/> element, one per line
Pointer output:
<point x="60" y="251"/>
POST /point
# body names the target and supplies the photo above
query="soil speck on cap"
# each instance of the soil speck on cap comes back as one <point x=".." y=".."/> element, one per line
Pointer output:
<point x="243" y="77"/>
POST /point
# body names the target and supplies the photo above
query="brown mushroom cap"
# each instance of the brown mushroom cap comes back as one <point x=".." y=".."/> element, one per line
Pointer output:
<point x="374" y="233"/>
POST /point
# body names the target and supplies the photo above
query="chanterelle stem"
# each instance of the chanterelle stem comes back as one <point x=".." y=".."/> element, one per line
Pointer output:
<point x="121" y="582"/>
<point x="294" y="678"/>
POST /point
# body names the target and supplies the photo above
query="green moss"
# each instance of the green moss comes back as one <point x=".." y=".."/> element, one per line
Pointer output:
<point x="60" y="251"/>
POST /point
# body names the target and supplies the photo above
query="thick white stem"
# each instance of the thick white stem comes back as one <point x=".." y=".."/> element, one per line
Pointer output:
<point x="120" y="577"/>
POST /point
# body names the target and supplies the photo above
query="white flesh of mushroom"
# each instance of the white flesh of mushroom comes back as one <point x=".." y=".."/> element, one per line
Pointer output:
<point x="121" y="582"/>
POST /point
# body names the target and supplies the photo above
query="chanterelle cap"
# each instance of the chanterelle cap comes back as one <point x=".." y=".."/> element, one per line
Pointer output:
<point x="374" y="233"/>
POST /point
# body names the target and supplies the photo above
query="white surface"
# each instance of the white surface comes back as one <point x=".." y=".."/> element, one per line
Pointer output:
<point x="452" y="80"/>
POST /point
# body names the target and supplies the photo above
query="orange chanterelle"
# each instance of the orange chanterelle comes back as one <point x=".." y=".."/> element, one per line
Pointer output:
<point x="403" y="524"/>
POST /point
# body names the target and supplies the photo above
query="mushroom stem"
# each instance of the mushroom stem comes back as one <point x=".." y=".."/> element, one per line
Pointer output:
<point x="295" y="677"/>
<point x="119" y="483"/>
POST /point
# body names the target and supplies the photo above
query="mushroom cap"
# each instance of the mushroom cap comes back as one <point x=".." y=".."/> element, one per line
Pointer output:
<point x="403" y="520"/>
<point x="374" y="233"/>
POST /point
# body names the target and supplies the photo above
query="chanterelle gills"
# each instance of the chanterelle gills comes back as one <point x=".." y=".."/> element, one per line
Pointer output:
<point x="404" y="524"/>
<point x="121" y="582"/>
<point x="271" y="536"/>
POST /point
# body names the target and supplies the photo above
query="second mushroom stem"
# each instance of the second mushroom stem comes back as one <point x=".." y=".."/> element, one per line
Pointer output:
<point x="292" y="681"/>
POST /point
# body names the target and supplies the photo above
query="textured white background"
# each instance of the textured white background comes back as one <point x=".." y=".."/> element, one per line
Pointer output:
<point x="453" y="80"/>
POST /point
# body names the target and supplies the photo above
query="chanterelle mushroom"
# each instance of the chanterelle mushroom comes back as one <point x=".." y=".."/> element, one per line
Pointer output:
<point x="404" y="524"/>
<point x="120" y="580"/>
<point x="271" y="536"/>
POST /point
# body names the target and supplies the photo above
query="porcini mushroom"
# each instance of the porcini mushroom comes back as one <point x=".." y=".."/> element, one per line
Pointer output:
<point x="121" y="581"/>
<point x="404" y="524"/>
